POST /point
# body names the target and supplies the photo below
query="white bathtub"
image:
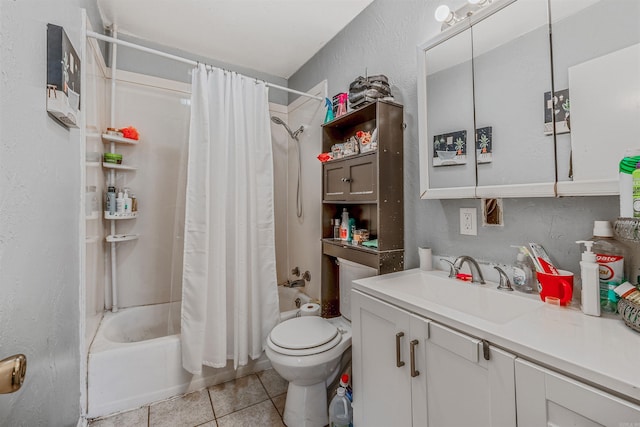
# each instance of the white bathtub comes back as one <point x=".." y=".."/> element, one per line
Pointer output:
<point x="133" y="362"/>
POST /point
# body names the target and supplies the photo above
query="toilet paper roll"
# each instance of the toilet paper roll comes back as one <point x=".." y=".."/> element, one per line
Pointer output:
<point x="310" y="309"/>
<point x="425" y="259"/>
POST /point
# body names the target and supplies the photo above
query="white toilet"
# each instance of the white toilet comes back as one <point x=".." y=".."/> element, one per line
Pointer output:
<point x="307" y="351"/>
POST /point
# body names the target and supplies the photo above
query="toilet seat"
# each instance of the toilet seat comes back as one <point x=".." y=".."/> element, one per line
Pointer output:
<point x="304" y="336"/>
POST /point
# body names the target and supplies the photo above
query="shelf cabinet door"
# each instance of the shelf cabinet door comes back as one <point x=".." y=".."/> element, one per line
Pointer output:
<point x="546" y="398"/>
<point x="381" y="389"/>
<point x="351" y="179"/>
<point x="361" y="182"/>
<point x="457" y="372"/>
<point x="333" y="181"/>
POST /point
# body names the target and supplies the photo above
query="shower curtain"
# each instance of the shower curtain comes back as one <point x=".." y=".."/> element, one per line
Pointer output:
<point x="229" y="289"/>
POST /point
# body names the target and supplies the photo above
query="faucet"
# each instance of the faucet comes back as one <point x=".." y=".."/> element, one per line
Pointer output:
<point x="476" y="274"/>
<point x="505" y="283"/>
<point x="295" y="284"/>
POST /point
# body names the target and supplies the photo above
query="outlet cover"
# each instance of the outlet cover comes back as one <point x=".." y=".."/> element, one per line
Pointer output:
<point x="469" y="221"/>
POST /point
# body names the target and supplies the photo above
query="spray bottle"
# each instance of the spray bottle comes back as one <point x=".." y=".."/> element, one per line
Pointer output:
<point x="329" y="105"/>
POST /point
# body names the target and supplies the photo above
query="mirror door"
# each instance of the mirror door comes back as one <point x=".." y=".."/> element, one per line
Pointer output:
<point x="512" y="86"/>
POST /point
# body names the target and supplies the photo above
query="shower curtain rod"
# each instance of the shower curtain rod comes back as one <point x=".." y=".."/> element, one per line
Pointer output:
<point x="184" y="60"/>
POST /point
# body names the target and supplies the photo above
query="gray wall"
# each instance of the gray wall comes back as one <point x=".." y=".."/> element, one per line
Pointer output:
<point x="153" y="65"/>
<point x="39" y="220"/>
<point x="383" y="39"/>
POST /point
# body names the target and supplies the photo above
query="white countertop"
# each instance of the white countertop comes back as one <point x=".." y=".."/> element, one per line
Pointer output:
<point x="602" y="351"/>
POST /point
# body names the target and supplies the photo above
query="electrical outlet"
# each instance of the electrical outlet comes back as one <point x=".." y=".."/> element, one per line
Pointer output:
<point x="469" y="221"/>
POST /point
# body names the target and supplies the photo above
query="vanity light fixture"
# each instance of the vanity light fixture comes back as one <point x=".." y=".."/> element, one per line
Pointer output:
<point x="446" y="16"/>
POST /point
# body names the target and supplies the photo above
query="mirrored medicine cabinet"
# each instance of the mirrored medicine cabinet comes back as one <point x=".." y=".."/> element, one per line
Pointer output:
<point x="489" y="125"/>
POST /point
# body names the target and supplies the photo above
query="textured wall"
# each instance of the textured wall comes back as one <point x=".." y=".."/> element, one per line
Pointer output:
<point x="39" y="220"/>
<point x="383" y="39"/>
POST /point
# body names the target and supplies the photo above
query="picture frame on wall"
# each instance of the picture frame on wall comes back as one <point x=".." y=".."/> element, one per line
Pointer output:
<point x="450" y="148"/>
<point x="63" y="77"/>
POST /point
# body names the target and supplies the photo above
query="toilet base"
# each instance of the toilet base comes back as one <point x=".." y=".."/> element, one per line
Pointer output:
<point x="306" y="406"/>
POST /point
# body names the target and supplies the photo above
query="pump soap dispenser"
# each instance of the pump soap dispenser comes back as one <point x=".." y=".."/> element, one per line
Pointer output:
<point x="590" y="275"/>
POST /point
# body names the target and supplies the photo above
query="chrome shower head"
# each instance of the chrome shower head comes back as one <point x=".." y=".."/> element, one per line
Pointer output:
<point x="292" y="134"/>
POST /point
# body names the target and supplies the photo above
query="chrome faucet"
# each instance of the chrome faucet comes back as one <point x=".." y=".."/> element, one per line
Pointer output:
<point x="476" y="274"/>
<point x="298" y="283"/>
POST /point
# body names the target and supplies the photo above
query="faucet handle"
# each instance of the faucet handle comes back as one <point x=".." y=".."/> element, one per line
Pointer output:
<point x="505" y="283"/>
<point x="453" y="270"/>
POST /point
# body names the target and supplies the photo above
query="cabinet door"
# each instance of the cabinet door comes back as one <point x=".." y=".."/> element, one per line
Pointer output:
<point x="381" y="388"/>
<point x="361" y="180"/>
<point x="463" y="388"/>
<point x="334" y="175"/>
<point x="546" y="398"/>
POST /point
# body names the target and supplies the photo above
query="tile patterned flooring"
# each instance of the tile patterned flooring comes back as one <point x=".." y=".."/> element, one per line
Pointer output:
<point x="254" y="400"/>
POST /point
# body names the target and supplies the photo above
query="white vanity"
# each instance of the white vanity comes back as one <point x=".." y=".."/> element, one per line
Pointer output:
<point x="433" y="351"/>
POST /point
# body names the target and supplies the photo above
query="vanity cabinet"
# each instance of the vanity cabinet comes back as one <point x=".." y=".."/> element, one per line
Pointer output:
<point x="545" y="397"/>
<point x="370" y="186"/>
<point x="429" y="374"/>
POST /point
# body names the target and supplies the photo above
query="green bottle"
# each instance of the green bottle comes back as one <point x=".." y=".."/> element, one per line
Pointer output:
<point x="636" y="191"/>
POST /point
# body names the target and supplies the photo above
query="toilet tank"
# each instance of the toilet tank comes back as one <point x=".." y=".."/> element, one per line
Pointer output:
<point x="348" y="272"/>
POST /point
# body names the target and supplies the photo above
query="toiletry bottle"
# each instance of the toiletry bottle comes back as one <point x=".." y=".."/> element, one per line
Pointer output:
<point x="636" y="191"/>
<point x="352" y="229"/>
<point x="127" y="201"/>
<point x="523" y="273"/>
<point x="627" y="166"/>
<point x="111" y="200"/>
<point x="134" y="202"/>
<point x="344" y="225"/>
<point x="590" y="276"/>
<point x="336" y="229"/>
<point x="610" y="256"/>
<point x="120" y="203"/>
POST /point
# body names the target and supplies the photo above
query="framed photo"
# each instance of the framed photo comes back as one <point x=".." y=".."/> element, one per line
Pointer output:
<point x="63" y="77"/>
<point x="557" y="109"/>
<point x="484" y="145"/>
<point x="450" y="148"/>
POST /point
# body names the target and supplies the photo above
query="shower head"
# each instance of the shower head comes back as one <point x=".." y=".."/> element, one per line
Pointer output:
<point x="292" y="134"/>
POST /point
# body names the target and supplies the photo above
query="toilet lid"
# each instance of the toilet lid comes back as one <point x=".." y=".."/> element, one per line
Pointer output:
<point x="303" y="333"/>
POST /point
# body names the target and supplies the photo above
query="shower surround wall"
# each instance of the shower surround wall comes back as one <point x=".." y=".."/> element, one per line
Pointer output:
<point x="383" y="40"/>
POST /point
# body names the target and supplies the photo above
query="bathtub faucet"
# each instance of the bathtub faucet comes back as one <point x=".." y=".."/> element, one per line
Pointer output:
<point x="295" y="284"/>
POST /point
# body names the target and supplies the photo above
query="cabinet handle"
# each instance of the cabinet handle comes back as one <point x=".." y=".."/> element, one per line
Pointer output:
<point x="346" y="180"/>
<point x="412" y="346"/>
<point x="399" y="363"/>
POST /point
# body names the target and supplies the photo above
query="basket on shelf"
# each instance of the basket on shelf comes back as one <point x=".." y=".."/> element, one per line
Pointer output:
<point x="630" y="313"/>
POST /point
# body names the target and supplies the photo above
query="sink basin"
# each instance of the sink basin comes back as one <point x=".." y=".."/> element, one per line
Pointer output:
<point x="435" y="287"/>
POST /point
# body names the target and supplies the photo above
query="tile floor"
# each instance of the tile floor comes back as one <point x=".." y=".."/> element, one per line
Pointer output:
<point x="254" y="400"/>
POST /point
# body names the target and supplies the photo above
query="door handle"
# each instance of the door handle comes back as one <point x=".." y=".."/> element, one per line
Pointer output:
<point x="12" y="372"/>
<point x="412" y="347"/>
<point x="399" y="363"/>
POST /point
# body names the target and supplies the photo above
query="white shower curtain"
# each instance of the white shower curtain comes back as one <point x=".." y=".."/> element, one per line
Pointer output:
<point x="229" y="293"/>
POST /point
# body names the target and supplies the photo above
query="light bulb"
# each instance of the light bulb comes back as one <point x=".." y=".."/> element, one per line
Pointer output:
<point x="443" y="13"/>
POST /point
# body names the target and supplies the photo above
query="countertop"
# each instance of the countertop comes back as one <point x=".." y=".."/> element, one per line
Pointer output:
<point x="601" y="351"/>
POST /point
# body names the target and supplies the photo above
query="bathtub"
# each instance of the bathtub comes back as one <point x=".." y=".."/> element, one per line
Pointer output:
<point x="133" y="362"/>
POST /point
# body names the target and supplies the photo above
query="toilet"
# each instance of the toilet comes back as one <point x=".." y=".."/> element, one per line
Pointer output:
<point x="307" y="351"/>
